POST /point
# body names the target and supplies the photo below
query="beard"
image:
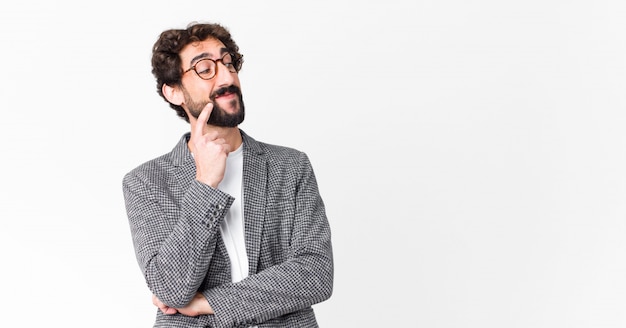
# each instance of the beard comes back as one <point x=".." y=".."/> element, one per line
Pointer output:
<point x="218" y="117"/>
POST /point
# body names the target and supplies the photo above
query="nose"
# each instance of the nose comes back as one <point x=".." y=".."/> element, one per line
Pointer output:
<point x="223" y="77"/>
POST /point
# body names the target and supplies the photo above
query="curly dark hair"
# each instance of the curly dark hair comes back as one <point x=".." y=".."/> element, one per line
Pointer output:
<point x="166" y="64"/>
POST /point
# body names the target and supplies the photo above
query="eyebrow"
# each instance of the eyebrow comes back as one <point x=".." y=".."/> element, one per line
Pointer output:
<point x="205" y="55"/>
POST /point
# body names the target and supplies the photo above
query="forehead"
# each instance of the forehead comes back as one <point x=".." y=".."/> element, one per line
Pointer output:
<point x="209" y="48"/>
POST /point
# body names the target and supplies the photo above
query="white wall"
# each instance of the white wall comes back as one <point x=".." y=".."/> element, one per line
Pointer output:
<point x="471" y="154"/>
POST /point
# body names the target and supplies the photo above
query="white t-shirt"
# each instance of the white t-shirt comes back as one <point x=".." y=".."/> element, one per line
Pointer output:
<point x="232" y="227"/>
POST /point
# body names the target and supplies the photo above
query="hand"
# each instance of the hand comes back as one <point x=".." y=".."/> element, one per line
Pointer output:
<point x="164" y="308"/>
<point x="198" y="306"/>
<point x="209" y="151"/>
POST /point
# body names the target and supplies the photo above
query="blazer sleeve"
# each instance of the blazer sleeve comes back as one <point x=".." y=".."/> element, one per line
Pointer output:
<point x="174" y="240"/>
<point x="303" y="279"/>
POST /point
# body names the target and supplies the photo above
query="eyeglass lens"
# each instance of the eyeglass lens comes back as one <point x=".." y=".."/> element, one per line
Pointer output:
<point x="206" y="68"/>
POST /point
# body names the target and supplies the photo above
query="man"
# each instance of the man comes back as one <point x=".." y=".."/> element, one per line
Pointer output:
<point x="228" y="231"/>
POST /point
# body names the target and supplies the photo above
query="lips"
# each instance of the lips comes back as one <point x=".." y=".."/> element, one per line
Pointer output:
<point x="230" y="91"/>
<point x="225" y="94"/>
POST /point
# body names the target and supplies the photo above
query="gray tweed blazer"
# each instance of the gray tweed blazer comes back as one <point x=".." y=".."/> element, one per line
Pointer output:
<point x="174" y="222"/>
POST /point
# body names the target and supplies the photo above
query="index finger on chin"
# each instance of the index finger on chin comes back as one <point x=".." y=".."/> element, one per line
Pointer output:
<point x="202" y="120"/>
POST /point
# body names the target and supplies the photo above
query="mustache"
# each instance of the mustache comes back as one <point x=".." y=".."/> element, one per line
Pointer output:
<point x="221" y="91"/>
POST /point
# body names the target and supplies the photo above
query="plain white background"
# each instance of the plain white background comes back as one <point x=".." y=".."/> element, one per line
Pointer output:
<point x="470" y="153"/>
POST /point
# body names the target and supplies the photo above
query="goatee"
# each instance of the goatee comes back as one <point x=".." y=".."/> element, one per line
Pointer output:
<point x="219" y="117"/>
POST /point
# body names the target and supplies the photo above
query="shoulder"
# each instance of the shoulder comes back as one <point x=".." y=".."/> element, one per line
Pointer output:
<point x="154" y="165"/>
<point x="158" y="168"/>
<point x="150" y="173"/>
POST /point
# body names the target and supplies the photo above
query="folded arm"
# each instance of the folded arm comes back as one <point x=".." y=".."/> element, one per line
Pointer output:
<point x="303" y="278"/>
<point x="174" y="246"/>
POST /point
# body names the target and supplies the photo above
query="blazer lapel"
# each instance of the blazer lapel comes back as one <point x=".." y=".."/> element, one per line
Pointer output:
<point x="254" y="194"/>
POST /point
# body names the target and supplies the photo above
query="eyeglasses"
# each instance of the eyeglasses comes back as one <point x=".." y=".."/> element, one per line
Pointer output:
<point x="207" y="68"/>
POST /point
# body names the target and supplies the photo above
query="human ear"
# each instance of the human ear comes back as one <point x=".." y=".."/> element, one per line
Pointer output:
<point x="173" y="94"/>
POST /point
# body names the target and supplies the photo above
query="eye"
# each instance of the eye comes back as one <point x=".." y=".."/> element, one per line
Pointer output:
<point x="227" y="60"/>
<point x="205" y="67"/>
